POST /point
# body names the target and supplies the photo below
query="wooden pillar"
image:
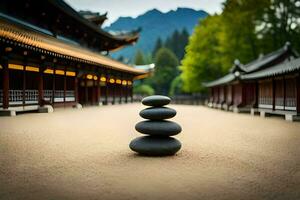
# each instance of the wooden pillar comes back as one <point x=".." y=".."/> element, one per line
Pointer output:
<point x="114" y="93"/>
<point x="53" y="86"/>
<point x="41" y="85"/>
<point x="233" y="94"/>
<point x="131" y="92"/>
<point x="126" y="93"/>
<point x="76" y="87"/>
<point x="120" y="92"/>
<point x="106" y="89"/>
<point x="4" y="64"/>
<point x="24" y="85"/>
<point x="65" y="85"/>
<point x="284" y="92"/>
<point x="86" y="92"/>
<point x="298" y="94"/>
<point x="98" y="90"/>
<point x="256" y="94"/>
<point x="273" y="93"/>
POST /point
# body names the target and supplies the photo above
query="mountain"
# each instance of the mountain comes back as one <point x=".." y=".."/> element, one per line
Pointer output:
<point x="155" y="24"/>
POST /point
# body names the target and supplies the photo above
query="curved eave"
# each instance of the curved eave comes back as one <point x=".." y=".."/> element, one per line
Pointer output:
<point x="284" y="68"/>
<point x="221" y="81"/>
<point x="33" y="40"/>
<point x="68" y="10"/>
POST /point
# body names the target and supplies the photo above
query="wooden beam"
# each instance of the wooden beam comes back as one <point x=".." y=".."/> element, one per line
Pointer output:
<point x="4" y="64"/>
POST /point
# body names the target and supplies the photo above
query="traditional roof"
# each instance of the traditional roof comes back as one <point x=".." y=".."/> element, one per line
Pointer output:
<point x="29" y="38"/>
<point x="221" y="81"/>
<point x="64" y="7"/>
<point x="283" y="68"/>
<point x="60" y="19"/>
<point x="94" y="17"/>
<point x="265" y="61"/>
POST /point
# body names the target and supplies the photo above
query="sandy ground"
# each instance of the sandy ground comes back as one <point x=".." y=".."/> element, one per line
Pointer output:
<point x="84" y="154"/>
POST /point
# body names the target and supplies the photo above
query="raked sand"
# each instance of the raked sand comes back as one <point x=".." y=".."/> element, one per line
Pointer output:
<point x="84" y="154"/>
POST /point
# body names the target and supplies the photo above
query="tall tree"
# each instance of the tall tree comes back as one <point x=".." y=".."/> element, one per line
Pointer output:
<point x="139" y="58"/>
<point x="177" y="42"/>
<point x="203" y="60"/>
<point x="240" y="21"/>
<point x="158" y="45"/>
<point x="280" y="23"/>
<point x="165" y="71"/>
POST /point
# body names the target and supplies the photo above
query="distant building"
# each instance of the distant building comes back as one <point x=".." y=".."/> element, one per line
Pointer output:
<point x="52" y="55"/>
<point x="268" y="85"/>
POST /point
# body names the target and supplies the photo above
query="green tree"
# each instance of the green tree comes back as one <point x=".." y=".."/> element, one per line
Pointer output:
<point x="203" y="60"/>
<point x="177" y="42"/>
<point x="176" y="86"/>
<point x="158" y="45"/>
<point x="139" y="58"/>
<point x="143" y="89"/>
<point x="240" y="21"/>
<point x="165" y="71"/>
<point x="279" y="24"/>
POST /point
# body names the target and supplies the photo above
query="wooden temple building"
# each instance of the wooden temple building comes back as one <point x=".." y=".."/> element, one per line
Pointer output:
<point x="268" y="85"/>
<point x="52" y="56"/>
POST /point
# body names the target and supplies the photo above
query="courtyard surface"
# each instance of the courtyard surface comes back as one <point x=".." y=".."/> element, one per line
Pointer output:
<point x="84" y="154"/>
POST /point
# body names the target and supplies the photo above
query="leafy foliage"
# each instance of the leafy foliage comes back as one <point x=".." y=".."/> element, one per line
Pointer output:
<point x="165" y="71"/>
<point x="143" y="89"/>
<point x="176" y="86"/>
<point x="244" y="30"/>
<point x="139" y="58"/>
<point x="203" y="60"/>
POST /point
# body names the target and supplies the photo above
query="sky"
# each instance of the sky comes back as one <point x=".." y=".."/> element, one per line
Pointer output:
<point x="134" y="8"/>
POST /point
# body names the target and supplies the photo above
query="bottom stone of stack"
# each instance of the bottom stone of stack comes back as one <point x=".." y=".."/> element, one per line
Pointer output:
<point x="155" y="146"/>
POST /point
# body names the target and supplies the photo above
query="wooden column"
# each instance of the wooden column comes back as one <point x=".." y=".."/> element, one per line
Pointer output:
<point x="53" y="86"/>
<point x="232" y="95"/>
<point x="65" y="86"/>
<point x="114" y="92"/>
<point x="120" y="92"/>
<point x="284" y="92"/>
<point x="256" y="94"/>
<point x="76" y="87"/>
<point x="41" y="85"/>
<point x="298" y="94"/>
<point x="106" y="89"/>
<point x="274" y="93"/>
<point x="126" y="93"/>
<point x="97" y="90"/>
<point x="131" y="92"/>
<point x="24" y="85"/>
<point x="4" y="64"/>
<point x="86" y="92"/>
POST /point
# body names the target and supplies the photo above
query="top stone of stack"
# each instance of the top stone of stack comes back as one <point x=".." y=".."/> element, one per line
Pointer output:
<point x="156" y="101"/>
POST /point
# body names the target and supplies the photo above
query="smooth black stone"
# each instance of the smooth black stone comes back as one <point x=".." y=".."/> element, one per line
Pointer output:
<point x="158" y="128"/>
<point x="156" y="100"/>
<point x="158" y="113"/>
<point x="155" y="146"/>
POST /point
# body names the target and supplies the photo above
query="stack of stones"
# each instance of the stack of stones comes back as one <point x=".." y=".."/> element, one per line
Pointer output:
<point x="158" y="142"/>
